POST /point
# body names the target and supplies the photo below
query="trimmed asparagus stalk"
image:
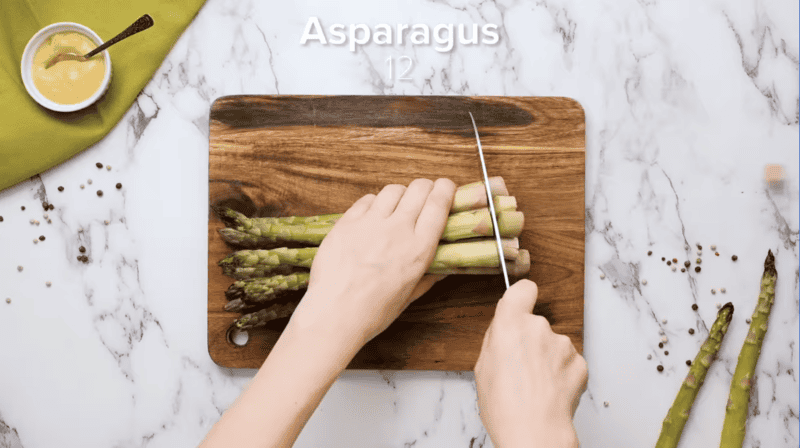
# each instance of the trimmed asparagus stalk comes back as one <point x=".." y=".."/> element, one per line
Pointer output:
<point x="261" y="290"/>
<point x="733" y="428"/>
<point x="261" y="317"/>
<point x="504" y="203"/>
<point x="473" y="223"/>
<point x="264" y="233"/>
<point x="473" y="196"/>
<point x="231" y="217"/>
<point x="516" y="268"/>
<point x="261" y="271"/>
<point x="676" y="418"/>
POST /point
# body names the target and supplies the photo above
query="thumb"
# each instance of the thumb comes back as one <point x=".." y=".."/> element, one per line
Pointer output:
<point x="520" y="298"/>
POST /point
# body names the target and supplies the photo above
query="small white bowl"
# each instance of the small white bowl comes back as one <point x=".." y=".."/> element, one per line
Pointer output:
<point x="27" y="64"/>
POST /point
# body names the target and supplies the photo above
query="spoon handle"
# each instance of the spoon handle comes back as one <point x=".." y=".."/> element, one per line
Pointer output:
<point x="141" y="24"/>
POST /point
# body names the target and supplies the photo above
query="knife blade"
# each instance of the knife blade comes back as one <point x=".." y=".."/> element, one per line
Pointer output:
<point x="491" y="204"/>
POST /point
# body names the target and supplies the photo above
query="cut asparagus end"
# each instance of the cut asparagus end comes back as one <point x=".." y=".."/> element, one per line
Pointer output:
<point x="505" y="203"/>
<point x="478" y="223"/>
<point x="510" y="223"/>
<point x="473" y="196"/>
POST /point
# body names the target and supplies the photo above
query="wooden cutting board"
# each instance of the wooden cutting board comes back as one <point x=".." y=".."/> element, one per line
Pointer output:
<point x="306" y="155"/>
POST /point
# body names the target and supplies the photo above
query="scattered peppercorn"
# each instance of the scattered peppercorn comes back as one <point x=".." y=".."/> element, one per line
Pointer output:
<point x="119" y="185"/>
<point x="605" y="403"/>
<point x="734" y="258"/>
<point x="691" y="331"/>
<point x="666" y="352"/>
<point x="82" y="249"/>
<point x="694" y="307"/>
<point x="649" y="252"/>
<point x="52" y="207"/>
<point x="698" y="261"/>
<point x="23" y="208"/>
<point x="687" y="263"/>
<point x="660" y="345"/>
<point x="108" y="167"/>
<point x="41" y="237"/>
<point x="683" y="269"/>
<point x="100" y="192"/>
<point x="49" y="284"/>
<point x="722" y="290"/>
<point x="688" y="362"/>
<point x="660" y="368"/>
<point x="747" y="320"/>
<point x="98" y="164"/>
<point x="60" y="188"/>
<point x="649" y="356"/>
<point x="713" y="291"/>
<point x="699" y="247"/>
<point x="19" y="268"/>
<point x="45" y="205"/>
<point x="713" y="247"/>
<point x="35" y="241"/>
<point x="669" y="262"/>
<point x="662" y="258"/>
<point x="644" y="282"/>
<point x="8" y="300"/>
<point x="80" y="258"/>
<point x="1" y="219"/>
<point x="673" y="269"/>
<point x="82" y="187"/>
<point x="89" y="181"/>
<point x="674" y="260"/>
<point x="697" y="269"/>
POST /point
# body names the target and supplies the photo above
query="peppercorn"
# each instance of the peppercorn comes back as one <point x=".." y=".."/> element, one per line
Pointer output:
<point x="669" y="262"/>
<point x="23" y="208"/>
<point x="82" y="249"/>
<point x="8" y="300"/>
<point x="60" y="188"/>
<point x="80" y="258"/>
<point x="108" y="167"/>
<point x="687" y="263"/>
<point x="41" y="237"/>
<point x="45" y="205"/>
<point x="662" y="258"/>
<point x="697" y="269"/>
<point x="694" y="306"/>
<point x="660" y="368"/>
<point x="691" y="331"/>
<point x="713" y="247"/>
<point x="52" y="207"/>
<point x="98" y="164"/>
<point x="674" y="260"/>
<point x="119" y="185"/>
<point x="100" y="192"/>
<point x="699" y="261"/>
<point x="666" y="352"/>
<point x="716" y="253"/>
<point x="734" y="258"/>
<point x="699" y="247"/>
<point x="688" y="362"/>
<point x="660" y="345"/>
<point x="683" y="269"/>
<point x="1" y="219"/>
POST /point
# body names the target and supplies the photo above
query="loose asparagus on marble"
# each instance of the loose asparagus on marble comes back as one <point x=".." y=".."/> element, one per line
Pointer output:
<point x="247" y="293"/>
<point x="673" y="424"/>
<point x="261" y="317"/>
<point x="733" y="427"/>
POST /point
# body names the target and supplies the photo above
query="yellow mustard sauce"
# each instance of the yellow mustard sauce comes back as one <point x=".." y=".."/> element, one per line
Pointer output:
<point x="68" y="82"/>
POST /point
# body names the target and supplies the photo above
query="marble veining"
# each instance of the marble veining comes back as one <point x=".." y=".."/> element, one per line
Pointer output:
<point x="685" y="104"/>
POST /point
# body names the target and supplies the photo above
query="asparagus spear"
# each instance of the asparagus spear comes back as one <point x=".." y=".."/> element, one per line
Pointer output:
<point x="261" y="290"/>
<point x="676" y="418"/>
<point x="246" y="264"/>
<point x="472" y="223"/>
<point x="261" y="317"/>
<point x="265" y="233"/>
<point x="733" y="428"/>
<point x="516" y="268"/>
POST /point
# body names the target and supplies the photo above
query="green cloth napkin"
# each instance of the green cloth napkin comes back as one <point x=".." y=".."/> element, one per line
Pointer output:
<point x="32" y="138"/>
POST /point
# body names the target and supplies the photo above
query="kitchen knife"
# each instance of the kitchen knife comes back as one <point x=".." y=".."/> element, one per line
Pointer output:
<point x="491" y="205"/>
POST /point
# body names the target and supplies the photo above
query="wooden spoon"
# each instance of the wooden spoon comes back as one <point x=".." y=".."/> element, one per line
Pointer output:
<point x="141" y="24"/>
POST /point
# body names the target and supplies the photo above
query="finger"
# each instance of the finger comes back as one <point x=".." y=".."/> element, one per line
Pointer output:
<point x="358" y="208"/>
<point x="519" y="299"/>
<point x="433" y="217"/>
<point x="424" y="285"/>
<point x="414" y="199"/>
<point x="387" y="200"/>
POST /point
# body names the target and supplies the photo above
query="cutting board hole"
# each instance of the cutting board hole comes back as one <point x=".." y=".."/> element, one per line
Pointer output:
<point x="238" y="337"/>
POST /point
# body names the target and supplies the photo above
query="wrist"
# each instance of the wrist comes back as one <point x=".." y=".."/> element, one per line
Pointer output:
<point x="315" y="323"/>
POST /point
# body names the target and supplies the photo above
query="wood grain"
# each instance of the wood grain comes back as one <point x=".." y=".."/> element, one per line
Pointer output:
<point x="306" y="155"/>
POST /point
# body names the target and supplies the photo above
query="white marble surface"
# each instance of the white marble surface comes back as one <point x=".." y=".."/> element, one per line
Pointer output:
<point x="685" y="101"/>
